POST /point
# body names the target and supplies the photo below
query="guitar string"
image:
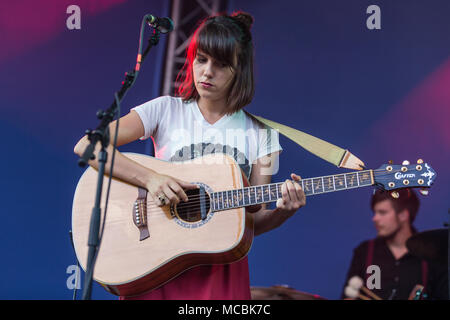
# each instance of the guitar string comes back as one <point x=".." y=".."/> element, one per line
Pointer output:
<point x="196" y="197"/>
<point x="194" y="201"/>
<point x="310" y="179"/>
<point x="152" y="208"/>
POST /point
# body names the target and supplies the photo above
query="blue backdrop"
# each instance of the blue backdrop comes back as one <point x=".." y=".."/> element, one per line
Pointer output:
<point x="383" y="94"/>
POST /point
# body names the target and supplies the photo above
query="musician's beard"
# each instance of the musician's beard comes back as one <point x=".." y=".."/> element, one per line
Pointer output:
<point x="392" y="235"/>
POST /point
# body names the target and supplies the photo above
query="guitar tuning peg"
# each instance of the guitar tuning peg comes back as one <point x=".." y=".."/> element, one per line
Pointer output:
<point x="395" y="195"/>
<point x="405" y="163"/>
<point x="423" y="192"/>
<point x="419" y="161"/>
<point x="390" y="162"/>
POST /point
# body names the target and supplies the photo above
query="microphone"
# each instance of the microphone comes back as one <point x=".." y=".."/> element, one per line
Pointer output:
<point x="163" y="25"/>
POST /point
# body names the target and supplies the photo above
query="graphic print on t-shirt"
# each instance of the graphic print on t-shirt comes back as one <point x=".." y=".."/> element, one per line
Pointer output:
<point x="200" y="149"/>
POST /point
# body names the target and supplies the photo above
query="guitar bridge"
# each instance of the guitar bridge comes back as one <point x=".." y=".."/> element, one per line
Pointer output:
<point x="139" y="214"/>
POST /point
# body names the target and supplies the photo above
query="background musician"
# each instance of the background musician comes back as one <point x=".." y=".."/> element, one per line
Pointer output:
<point x="400" y="270"/>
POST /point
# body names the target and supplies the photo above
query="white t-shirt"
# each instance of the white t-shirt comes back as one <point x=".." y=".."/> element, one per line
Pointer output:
<point x="180" y="132"/>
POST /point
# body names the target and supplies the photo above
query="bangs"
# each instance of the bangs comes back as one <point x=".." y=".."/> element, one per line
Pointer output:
<point x="222" y="39"/>
<point x="217" y="42"/>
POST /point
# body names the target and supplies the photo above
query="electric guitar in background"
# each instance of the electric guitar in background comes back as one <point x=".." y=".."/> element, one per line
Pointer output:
<point x="143" y="245"/>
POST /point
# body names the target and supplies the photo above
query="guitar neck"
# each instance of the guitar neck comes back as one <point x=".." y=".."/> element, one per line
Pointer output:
<point x="230" y="199"/>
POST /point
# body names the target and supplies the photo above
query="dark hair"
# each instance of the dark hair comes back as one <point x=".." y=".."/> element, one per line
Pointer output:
<point x="223" y="37"/>
<point x="407" y="200"/>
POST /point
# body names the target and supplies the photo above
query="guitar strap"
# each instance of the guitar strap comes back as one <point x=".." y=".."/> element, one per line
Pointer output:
<point x="339" y="157"/>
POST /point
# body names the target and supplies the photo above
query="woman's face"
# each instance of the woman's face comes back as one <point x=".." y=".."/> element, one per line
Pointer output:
<point x="212" y="78"/>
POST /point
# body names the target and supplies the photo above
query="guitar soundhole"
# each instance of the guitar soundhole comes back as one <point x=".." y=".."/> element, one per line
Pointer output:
<point x="191" y="211"/>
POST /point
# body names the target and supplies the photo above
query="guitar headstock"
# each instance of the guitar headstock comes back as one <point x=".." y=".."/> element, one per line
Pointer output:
<point x="407" y="175"/>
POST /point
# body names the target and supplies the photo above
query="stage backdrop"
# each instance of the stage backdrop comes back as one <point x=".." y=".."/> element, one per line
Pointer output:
<point x="382" y="93"/>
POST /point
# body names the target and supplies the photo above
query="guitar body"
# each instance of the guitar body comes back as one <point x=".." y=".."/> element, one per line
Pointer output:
<point x="129" y="265"/>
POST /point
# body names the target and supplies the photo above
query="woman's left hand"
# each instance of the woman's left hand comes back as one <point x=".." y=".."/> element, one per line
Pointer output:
<point x="293" y="196"/>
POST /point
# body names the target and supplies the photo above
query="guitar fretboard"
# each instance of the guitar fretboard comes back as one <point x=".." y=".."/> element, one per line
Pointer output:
<point x="229" y="199"/>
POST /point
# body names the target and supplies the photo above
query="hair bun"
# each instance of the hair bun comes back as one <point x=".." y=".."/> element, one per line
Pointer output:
<point x="244" y="18"/>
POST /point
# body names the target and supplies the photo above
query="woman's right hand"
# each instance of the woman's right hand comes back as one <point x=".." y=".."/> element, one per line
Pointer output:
<point x="166" y="190"/>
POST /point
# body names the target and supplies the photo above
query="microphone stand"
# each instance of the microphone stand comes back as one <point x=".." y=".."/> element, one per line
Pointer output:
<point x="101" y="134"/>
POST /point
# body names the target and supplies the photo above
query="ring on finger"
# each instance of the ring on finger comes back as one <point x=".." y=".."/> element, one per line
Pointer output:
<point x="162" y="198"/>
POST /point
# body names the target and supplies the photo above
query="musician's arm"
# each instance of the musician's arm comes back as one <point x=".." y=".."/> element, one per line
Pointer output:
<point x="268" y="219"/>
<point x="130" y="129"/>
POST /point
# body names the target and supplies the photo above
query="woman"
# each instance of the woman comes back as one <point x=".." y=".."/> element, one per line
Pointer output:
<point x="216" y="83"/>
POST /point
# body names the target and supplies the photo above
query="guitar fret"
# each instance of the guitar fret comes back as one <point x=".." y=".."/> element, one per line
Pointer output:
<point x="328" y="186"/>
<point x="340" y="178"/>
<point x="307" y="187"/>
<point x="239" y="198"/>
<point x="273" y="192"/>
<point x="256" y="195"/>
<point x="258" y="198"/>
<point x="217" y="200"/>
<point x="316" y="182"/>
<point x="251" y="195"/>
<point x="233" y="198"/>
<point x="365" y="178"/>
<point x="226" y="199"/>
<point x="223" y="200"/>
<point x="350" y="178"/>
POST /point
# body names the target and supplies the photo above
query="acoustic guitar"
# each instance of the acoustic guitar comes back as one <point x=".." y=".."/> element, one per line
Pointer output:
<point x="144" y="246"/>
